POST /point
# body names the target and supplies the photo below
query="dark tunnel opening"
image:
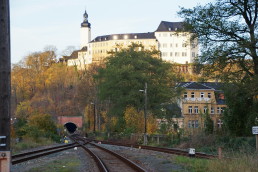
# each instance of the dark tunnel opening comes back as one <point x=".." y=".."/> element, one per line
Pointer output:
<point x="71" y="127"/>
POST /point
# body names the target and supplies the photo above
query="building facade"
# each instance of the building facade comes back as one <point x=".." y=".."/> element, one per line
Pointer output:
<point x="169" y="38"/>
<point x="199" y="99"/>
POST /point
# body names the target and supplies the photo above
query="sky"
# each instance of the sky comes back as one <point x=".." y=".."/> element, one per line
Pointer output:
<point x="36" y="24"/>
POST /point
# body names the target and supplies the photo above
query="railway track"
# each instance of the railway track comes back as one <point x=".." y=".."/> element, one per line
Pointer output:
<point x="159" y="149"/>
<point x="107" y="160"/>
<point x="22" y="157"/>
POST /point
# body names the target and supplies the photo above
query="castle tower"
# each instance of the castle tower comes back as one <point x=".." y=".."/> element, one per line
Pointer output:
<point x="85" y="31"/>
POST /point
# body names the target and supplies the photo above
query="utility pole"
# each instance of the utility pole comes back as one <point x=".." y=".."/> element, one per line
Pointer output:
<point x="94" y="117"/>
<point x="5" y="86"/>
<point x="145" y="141"/>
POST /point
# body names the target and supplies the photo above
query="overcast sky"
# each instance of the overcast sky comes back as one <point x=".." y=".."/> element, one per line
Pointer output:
<point x="36" y="24"/>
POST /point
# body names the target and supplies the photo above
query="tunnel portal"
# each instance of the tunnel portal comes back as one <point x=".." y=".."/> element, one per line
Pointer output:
<point x="71" y="127"/>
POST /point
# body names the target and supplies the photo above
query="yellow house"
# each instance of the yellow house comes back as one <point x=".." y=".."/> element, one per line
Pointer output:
<point x="201" y="98"/>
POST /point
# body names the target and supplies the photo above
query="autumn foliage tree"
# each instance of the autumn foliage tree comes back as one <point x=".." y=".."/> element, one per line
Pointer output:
<point x="126" y="72"/>
<point x="227" y="31"/>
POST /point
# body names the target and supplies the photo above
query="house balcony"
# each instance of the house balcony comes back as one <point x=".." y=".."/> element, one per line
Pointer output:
<point x="197" y="100"/>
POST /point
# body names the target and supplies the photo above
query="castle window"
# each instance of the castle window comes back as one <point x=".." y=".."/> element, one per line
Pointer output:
<point x="185" y="94"/>
<point x="196" y="124"/>
<point x="176" y="45"/>
<point x="171" y="45"/>
<point x="190" y="109"/>
<point x="192" y="94"/>
<point x="164" y="45"/>
<point x="205" y="108"/>
<point x="202" y="95"/>
<point x="193" y="54"/>
<point x="171" y="54"/>
<point x="212" y="110"/>
<point x="184" y="54"/>
<point x="196" y="110"/>
<point x="193" y="124"/>
<point x="209" y="95"/>
<point x="220" y="123"/>
<point x="222" y="109"/>
<point x="193" y="45"/>
<point x="189" y="124"/>
<point x="218" y="110"/>
<point x="164" y="54"/>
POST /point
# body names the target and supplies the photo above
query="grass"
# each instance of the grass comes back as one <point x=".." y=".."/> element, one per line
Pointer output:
<point x="238" y="163"/>
<point x="28" y="143"/>
<point x="66" y="164"/>
<point x="193" y="164"/>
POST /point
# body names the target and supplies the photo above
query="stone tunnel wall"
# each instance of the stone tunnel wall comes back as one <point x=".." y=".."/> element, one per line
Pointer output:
<point x="74" y="119"/>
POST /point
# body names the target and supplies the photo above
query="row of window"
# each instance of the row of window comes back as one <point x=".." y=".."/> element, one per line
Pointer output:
<point x="103" y="44"/>
<point x="195" y="123"/>
<point x="166" y="45"/>
<point x="97" y="51"/>
<point x="196" y="110"/>
<point x="192" y="95"/>
<point x="172" y="34"/>
<point x="176" y="54"/>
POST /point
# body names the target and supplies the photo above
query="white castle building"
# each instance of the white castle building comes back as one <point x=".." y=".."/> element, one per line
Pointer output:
<point x="170" y="39"/>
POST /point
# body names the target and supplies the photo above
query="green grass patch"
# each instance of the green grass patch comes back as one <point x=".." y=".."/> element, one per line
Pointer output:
<point x="67" y="164"/>
<point x="193" y="164"/>
<point x="28" y="143"/>
<point x="237" y="163"/>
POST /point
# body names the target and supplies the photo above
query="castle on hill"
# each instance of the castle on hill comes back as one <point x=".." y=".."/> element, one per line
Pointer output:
<point x="169" y="38"/>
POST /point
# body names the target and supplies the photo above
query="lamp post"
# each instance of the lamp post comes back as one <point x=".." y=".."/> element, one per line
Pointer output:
<point x="145" y="114"/>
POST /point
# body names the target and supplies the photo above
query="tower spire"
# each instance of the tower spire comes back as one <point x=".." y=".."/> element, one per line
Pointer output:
<point x="85" y="30"/>
<point x="85" y="22"/>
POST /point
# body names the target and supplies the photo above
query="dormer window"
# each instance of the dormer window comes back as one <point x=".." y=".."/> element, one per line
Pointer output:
<point x="185" y="94"/>
<point x="135" y="36"/>
<point x="169" y="28"/>
<point x="175" y="29"/>
<point x="105" y="38"/>
<point x="115" y="37"/>
<point x="192" y="94"/>
<point x="126" y="37"/>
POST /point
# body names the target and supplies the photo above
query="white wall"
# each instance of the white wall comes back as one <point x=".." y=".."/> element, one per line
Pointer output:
<point x="85" y="36"/>
<point x="172" y="49"/>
